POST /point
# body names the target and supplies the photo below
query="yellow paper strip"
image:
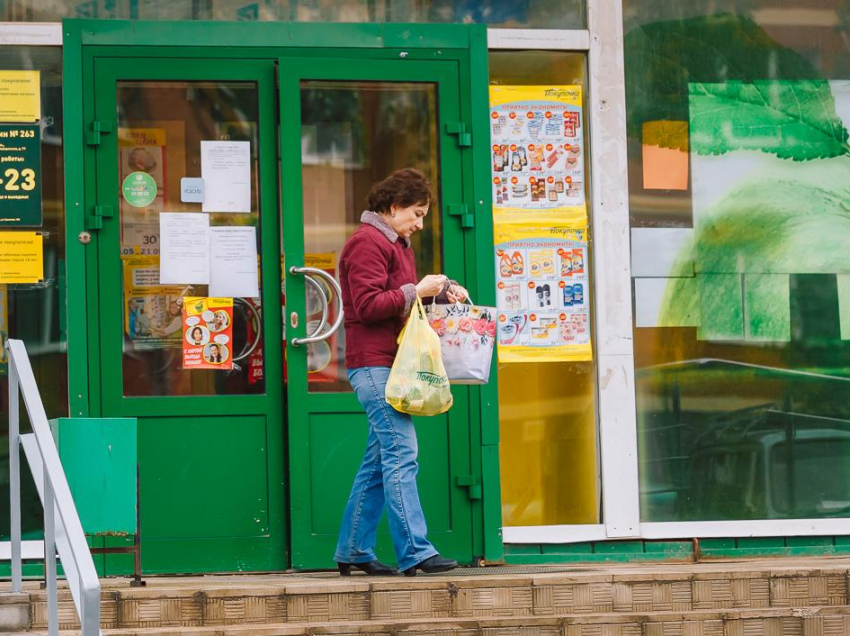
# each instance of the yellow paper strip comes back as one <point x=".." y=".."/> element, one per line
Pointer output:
<point x="21" y="257"/>
<point x="20" y="96"/>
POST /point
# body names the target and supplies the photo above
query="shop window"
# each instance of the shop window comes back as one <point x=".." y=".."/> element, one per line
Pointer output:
<point x="544" y="14"/>
<point x="547" y="410"/>
<point x="738" y="169"/>
<point x="35" y="313"/>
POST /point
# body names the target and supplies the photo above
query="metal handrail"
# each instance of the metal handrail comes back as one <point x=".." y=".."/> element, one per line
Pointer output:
<point x="63" y="531"/>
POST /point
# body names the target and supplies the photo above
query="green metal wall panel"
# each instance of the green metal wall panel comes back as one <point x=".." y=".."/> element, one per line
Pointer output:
<point x="99" y="459"/>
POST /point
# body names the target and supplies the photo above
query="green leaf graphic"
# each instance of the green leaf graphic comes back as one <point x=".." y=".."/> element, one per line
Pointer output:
<point x="792" y="120"/>
<point x="785" y="218"/>
<point x="662" y="58"/>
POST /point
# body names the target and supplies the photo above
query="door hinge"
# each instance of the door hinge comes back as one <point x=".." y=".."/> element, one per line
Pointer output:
<point x="467" y="220"/>
<point x="98" y="128"/>
<point x="94" y="221"/>
<point x="464" y="138"/>
<point x="472" y="483"/>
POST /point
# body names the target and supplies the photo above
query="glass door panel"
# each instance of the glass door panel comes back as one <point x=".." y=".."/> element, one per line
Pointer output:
<point x="161" y="127"/>
<point x="163" y="121"/>
<point x="353" y="134"/>
<point x="345" y="126"/>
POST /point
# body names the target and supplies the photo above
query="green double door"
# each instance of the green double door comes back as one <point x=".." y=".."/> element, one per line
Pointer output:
<point x="247" y="465"/>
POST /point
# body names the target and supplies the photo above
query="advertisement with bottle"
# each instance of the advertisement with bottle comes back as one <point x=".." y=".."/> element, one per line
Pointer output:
<point x="542" y="292"/>
<point x="537" y="151"/>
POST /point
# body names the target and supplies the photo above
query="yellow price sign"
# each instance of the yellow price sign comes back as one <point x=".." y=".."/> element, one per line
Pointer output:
<point x="20" y="175"/>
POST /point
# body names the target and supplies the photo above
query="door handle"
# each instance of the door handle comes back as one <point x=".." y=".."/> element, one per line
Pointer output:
<point x="317" y="336"/>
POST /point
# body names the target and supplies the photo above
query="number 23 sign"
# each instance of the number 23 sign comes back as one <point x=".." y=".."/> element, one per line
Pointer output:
<point x="20" y="175"/>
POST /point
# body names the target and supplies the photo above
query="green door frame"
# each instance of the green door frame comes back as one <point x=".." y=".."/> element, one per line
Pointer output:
<point x="467" y="44"/>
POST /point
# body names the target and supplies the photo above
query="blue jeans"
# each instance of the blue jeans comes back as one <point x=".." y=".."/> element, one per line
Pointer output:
<point x="387" y="477"/>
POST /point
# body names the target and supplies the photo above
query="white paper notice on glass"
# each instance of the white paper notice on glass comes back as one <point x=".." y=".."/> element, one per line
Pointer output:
<point x="184" y="256"/>
<point x="233" y="262"/>
<point x="226" y="171"/>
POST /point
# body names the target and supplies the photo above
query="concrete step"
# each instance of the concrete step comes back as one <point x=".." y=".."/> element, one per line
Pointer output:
<point x="14" y="612"/>
<point x="241" y="601"/>
<point x="813" y="621"/>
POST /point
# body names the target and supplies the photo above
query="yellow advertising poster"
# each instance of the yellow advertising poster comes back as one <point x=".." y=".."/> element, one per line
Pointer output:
<point x="537" y="152"/>
<point x="208" y="331"/>
<point x="21" y="257"/>
<point x="20" y="96"/>
<point x="542" y="292"/>
<point x="152" y="312"/>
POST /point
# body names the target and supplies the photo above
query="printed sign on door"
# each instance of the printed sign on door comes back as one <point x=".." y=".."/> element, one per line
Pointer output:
<point x="208" y="333"/>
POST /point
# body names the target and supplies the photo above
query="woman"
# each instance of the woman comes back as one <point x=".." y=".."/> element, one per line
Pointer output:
<point x="197" y="336"/>
<point x="215" y="354"/>
<point x="378" y="278"/>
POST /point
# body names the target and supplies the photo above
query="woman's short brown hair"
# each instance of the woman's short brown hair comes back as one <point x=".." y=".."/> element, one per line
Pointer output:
<point x="403" y="188"/>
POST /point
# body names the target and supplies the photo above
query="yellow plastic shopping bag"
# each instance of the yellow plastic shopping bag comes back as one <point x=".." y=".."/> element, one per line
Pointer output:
<point x="418" y="383"/>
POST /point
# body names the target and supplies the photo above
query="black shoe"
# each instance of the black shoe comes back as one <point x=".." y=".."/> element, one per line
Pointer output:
<point x="433" y="565"/>
<point x="371" y="568"/>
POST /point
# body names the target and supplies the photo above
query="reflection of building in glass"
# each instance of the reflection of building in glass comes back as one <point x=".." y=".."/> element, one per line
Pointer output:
<point x="739" y="164"/>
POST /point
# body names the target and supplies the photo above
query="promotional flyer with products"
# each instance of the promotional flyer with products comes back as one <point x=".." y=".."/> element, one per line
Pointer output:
<point x="537" y="147"/>
<point x="540" y="216"/>
<point x="542" y="293"/>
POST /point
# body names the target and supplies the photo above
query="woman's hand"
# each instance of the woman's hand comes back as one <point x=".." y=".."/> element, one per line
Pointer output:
<point x="457" y="294"/>
<point x="431" y="285"/>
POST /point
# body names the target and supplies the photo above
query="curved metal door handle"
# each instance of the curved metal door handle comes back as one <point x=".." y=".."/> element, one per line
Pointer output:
<point x="316" y="336"/>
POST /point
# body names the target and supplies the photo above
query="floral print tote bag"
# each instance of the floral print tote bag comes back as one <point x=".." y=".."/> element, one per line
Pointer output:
<point x="467" y="336"/>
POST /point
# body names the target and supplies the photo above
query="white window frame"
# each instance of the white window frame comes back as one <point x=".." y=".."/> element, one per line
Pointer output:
<point x="609" y="196"/>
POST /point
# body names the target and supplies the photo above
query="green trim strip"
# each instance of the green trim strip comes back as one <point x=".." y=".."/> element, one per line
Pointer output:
<point x="630" y="551"/>
<point x="75" y="274"/>
<point x="273" y="34"/>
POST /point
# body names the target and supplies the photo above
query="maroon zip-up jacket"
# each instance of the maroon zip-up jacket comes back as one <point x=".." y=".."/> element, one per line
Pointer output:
<point x="377" y="273"/>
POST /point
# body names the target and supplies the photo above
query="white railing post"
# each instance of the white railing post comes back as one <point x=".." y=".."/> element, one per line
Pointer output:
<point x="15" y="470"/>
<point x="50" y="557"/>
<point x="63" y="532"/>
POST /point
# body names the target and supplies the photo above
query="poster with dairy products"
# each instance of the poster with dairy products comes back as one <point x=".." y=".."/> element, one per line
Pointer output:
<point x="542" y="292"/>
<point x="537" y="152"/>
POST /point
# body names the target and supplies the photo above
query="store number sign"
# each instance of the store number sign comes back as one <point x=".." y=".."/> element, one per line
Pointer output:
<point x="20" y="175"/>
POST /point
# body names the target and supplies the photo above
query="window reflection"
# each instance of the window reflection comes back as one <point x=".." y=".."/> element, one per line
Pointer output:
<point x="353" y="134"/>
<point x="738" y="170"/>
<point x="546" y="14"/>
<point x="36" y="313"/>
<point x="161" y="126"/>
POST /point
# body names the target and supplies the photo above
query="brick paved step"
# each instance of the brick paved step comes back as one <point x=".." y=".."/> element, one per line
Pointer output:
<point x="814" y="621"/>
<point x="275" y="600"/>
